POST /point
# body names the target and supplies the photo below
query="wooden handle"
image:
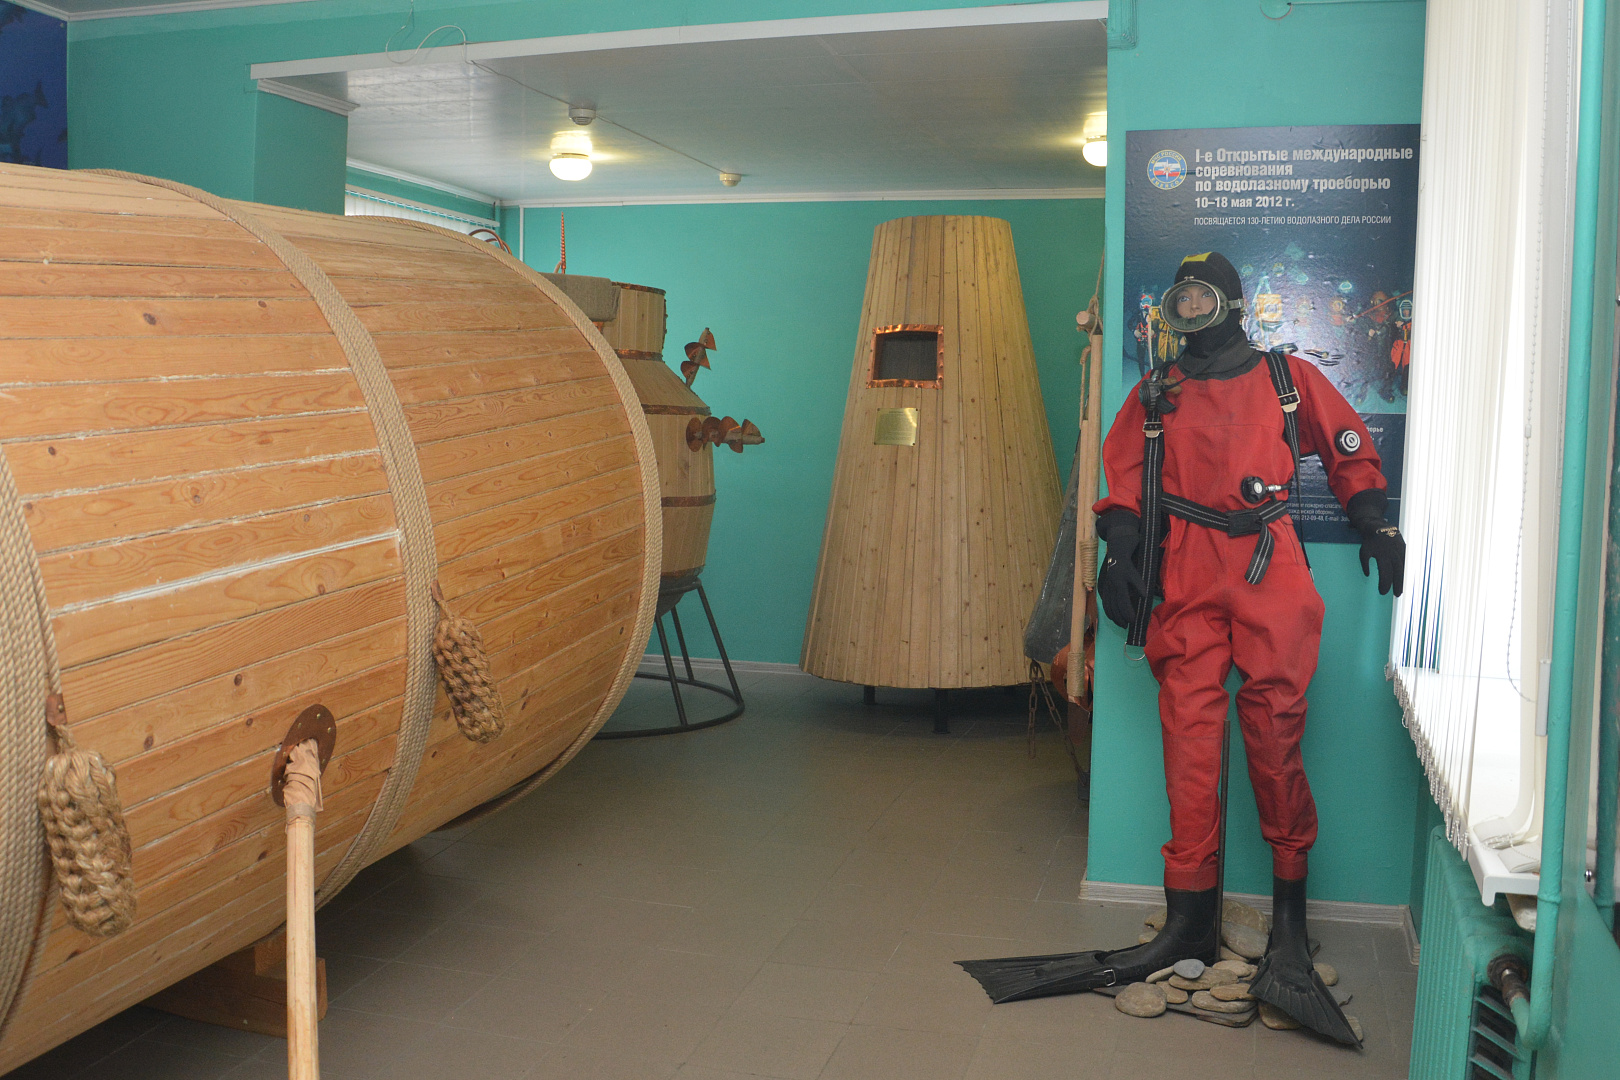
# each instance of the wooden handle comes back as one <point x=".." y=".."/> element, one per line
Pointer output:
<point x="303" y="1049"/>
<point x="303" y="791"/>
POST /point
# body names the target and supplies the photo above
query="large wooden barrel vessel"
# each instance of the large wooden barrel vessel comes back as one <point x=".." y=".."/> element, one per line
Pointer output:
<point x="945" y="497"/>
<point x="631" y="318"/>
<point x="245" y="441"/>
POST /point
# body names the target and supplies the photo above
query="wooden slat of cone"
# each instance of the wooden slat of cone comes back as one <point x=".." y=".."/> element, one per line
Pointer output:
<point x="206" y="493"/>
<point x="933" y="553"/>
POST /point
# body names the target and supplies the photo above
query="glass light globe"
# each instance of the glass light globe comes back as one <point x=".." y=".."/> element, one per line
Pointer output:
<point x="570" y="166"/>
<point x="1095" y="152"/>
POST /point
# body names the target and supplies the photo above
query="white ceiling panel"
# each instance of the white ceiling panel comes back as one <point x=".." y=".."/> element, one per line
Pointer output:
<point x="981" y="108"/>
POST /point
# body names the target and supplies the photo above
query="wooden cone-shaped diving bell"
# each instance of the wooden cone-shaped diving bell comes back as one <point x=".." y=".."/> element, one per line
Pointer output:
<point x="945" y="499"/>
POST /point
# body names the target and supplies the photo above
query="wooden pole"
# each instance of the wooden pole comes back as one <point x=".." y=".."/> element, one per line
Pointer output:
<point x="302" y="793"/>
<point x="1089" y="461"/>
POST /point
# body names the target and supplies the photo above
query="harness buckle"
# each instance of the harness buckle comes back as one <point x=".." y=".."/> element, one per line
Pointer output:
<point x="1289" y="401"/>
<point x="1153" y="428"/>
<point x="1243" y="523"/>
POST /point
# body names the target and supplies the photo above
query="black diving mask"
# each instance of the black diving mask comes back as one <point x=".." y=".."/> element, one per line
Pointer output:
<point x="1193" y="305"/>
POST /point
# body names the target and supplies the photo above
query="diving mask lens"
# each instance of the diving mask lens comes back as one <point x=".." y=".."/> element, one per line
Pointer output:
<point x="1194" y="305"/>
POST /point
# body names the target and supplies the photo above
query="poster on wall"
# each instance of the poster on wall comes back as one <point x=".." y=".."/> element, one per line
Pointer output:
<point x="33" y="88"/>
<point x="1321" y="223"/>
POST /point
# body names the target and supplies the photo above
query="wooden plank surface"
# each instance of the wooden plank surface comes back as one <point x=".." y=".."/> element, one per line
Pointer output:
<point x="933" y="554"/>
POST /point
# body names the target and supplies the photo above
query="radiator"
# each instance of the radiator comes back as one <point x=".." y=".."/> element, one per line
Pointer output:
<point x="1461" y="1030"/>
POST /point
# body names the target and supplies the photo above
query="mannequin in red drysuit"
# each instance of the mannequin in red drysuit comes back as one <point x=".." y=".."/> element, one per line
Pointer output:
<point x="1225" y="449"/>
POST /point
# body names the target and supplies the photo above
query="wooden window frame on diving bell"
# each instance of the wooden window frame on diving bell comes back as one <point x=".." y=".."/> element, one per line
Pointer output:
<point x="881" y="332"/>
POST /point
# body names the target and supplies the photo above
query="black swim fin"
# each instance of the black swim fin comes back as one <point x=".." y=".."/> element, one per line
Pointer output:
<point x="1190" y="932"/>
<point x="1015" y="978"/>
<point x="1287" y="979"/>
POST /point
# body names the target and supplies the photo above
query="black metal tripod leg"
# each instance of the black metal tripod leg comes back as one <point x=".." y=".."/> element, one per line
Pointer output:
<point x="942" y="712"/>
<point x="669" y="666"/>
<point x="725" y="661"/>
<point x="680" y="638"/>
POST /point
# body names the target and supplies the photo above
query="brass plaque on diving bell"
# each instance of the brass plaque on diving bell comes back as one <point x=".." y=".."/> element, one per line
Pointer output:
<point x="896" y="427"/>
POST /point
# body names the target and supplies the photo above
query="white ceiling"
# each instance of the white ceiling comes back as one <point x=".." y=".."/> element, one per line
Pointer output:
<point x="800" y="110"/>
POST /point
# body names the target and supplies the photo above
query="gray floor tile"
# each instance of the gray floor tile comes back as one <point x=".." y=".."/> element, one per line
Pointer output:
<point x="781" y="897"/>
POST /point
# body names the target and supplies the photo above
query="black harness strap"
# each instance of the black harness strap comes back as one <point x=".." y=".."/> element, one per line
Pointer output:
<point x="1156" y="502"/>
<point x="1237" y="523"/>
<point x="1282" y="381"/>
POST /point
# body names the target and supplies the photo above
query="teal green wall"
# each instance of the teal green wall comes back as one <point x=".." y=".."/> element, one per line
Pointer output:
<point x="387" y="185"/>
<point x="298" y="153"/>
<point x="781" y="284"/>
<point x="1221" y="63"/>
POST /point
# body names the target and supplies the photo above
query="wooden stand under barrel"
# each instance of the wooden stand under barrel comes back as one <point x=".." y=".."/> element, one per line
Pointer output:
<point x="945" y="499"/>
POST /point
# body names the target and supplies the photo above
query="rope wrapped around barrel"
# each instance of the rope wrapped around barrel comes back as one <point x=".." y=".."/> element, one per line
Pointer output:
<point x="458" y="650"/>
<point x="86" y="834"/>
<point x="77" y="792"/>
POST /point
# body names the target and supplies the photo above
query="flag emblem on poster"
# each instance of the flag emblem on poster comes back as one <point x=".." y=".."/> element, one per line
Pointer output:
<point x="1167" y="169"/>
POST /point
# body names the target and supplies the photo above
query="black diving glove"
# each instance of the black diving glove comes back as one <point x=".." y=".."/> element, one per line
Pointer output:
<point x="1119" y="582"/>
<point x="1381" y="542"/>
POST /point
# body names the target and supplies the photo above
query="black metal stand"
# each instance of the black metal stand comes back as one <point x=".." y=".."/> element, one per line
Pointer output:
<point x="942" y="711"/>
<point x="733" y="695"/>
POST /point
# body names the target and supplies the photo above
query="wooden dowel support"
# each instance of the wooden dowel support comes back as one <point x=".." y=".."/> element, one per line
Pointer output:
<point x="246" y="991"/>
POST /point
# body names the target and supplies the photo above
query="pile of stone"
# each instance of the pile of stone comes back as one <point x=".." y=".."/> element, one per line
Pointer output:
<point x="1217" y="993"/>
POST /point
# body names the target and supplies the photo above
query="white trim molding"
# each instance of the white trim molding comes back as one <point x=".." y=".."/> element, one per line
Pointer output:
<point x="420" y="207"/>
<point x="307" y="97"/>
<point x="996" y="15"/>
<point x="1395" y="915"/>
<point x="654" y="662"/>
<point x="424" y="181"/>
<point x="891" y="195"/>
<point x="178" y="7"/>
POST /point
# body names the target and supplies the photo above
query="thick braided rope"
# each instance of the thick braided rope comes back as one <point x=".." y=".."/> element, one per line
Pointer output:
<point x="475" y="700"/>
<point x="410" y="508"/>
<point x="28" y="672"/>
<point x="89" y="843"/>
<point x="653" y="508"/>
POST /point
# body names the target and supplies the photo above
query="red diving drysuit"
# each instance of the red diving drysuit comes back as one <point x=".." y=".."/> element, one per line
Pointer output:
<point x="1220" y="432"/>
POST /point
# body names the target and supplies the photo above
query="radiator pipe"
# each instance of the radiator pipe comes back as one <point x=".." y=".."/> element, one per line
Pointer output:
<point x="1508" y="974"/>
<point x="1537" y="1019"/>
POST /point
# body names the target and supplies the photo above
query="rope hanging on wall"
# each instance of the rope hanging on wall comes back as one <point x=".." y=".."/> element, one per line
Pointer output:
<point x="458" y="649"/>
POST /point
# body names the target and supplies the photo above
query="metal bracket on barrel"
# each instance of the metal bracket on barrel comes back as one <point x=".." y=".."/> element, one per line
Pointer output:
<point x="315" y="722"/>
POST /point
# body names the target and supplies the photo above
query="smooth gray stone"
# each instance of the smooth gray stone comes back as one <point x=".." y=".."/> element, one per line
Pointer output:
<point x="1140" y="999"/>
<point x="1330" y="974"/>
<point x="1275" y="1019"/>
<point x="1246" y="941"/>
<point x="1189" y="969"/>
<point x="1211" y="978"/>
<point x="1210" y="1003"/>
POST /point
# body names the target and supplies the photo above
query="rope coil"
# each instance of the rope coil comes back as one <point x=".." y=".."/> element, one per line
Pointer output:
<point x="458" y="650"/>
<point x="84" y="828"/>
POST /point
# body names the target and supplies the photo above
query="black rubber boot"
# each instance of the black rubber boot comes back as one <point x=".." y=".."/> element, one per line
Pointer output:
<point x="1286" y="977"/>
<point x="1190" y="933"/>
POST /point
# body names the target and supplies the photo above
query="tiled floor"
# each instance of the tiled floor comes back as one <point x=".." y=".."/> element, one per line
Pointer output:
<point x="779" y="897"/>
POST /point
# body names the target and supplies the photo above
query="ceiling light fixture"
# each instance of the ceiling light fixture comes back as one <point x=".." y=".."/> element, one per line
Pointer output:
<point x="570" y="166"/>
<point x="1095" y="151"/>
<point x="730" y="179"/>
